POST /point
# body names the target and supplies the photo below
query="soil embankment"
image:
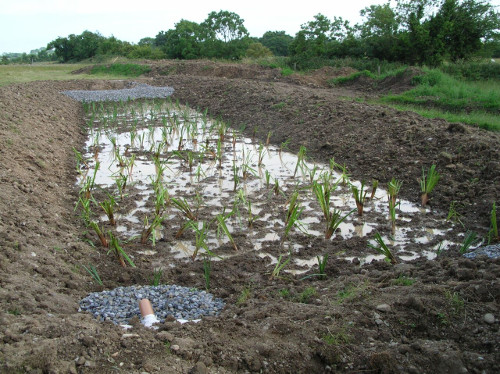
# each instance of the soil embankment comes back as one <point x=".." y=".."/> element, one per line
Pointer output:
<point x="418" y="317"/>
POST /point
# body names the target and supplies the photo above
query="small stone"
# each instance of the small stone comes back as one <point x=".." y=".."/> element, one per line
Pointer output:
<point x="489" y="318"/>
<point x="383" y="308"/>
<point x="89" y="364"/>
<point x="174" y="347"/>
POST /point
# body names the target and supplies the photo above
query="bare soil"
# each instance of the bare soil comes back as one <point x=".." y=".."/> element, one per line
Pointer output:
<point x="433" y="320"/>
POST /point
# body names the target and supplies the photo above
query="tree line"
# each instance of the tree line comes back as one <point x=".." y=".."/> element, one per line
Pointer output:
<point x="417" y="32"/>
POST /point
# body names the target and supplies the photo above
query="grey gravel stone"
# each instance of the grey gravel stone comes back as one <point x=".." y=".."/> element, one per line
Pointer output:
<point x="489" y="318"/>
<point x="491" y="251"/>
<point x="122" y="304"/>
<point x="137" y="91"/>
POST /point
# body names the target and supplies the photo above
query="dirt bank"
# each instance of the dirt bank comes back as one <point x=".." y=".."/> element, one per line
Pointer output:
<point x="417" y="317"/>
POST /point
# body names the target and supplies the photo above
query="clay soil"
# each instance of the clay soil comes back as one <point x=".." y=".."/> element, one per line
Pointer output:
<point x="424" y="316"/>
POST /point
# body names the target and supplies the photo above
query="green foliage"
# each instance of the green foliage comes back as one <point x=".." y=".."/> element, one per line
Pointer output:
<point x="258" y="50"/>
<point x="128" y="70"/>
<point x="277" y="41"/>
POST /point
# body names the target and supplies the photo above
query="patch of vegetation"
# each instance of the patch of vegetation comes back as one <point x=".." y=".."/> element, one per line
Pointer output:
<point x="127" y="70"/>
<point x="453" y="99"/>
<point x="304" y="297"/>
<point x="279" y="106"/>
<point x="403" y="280"/>
<point x="338" y="338"/>
<point x="350" y="292"/>
<point x="245" y="294"/>
<point x="285" y="72"/>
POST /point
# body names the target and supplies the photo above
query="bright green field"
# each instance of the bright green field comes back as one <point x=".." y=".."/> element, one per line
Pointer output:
<point x="42" y="72"/>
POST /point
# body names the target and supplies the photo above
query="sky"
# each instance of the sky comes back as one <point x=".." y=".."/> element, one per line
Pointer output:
<point x="26" y="25"/>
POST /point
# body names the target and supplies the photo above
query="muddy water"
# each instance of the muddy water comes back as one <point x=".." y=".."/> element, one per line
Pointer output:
<point x="237" y="172"/>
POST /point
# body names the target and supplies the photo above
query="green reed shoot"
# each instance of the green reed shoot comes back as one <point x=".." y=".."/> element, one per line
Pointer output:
<point x="262" y="152"/>
<point x="334" y="220"/>
<point x="283" y="146"/>
<point x="392" y="214"/>
<point x="222" y="227"/>
<point x="279" y="266"/>
<point x="470" y="240"/>
<point x="251" y="217"/>
<point x="162" y="198"/>
<point x="292" y="215"/>
<point x="201" y="234"/>
<point x="157" y="274"/>
<point x="267" y="177"/>
<point x="86" y="209"/>
<point x="345" y="176"/>
<point x="184" y="208"/>
<point x="453" y="214"/>
<point x="94" y="274"/>
<point x="219" y="150"/>
<point x="121" y="183"/>
<point x="374" y="188"/>
<point x="114" y="245"/>
<point x="148" y="228"/>
<point x="301" y="159"/>
<point x="359" y="197"/>
<point x="89" y="182"/>
<point x="79" y="161"/>
<point x="276" y="187"/>
<point x="322" y="265"/>
<point x="428" y="182"/>
<point x="207" y="268"/>
<point x="236" y="176"/>
<point x="108" y="207"/>
<point x="393" y="188"/>
<point x="95" y="226"/>
<point x="312" y="173"/>
<point x="322" y="193"/>
<point x="383" y="249"/>
<point x="493" y="233"/>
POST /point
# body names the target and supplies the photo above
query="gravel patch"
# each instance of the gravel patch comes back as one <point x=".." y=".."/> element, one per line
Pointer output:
<point x="491" y="251"/>
<point x="122" y="303"/>
<point x="138" y="91"/>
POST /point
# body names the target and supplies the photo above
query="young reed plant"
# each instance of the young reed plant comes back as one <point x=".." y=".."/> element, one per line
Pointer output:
<point x="115" y="247"/>
<point x="427" y="183"/>
<point x="393" y="188"/>
<point x="359" y="195"/>
<point x="150" y="228"/>
<point x="94" y="274"/>
<point x="383" y="249"/>
<point x="471" y="239"/>
<point x="222" y="227"/>
<point x="292" y="215"/>
<point x="102" y="238"/>
<point x="493" y="233"/>
<point x="392" y="214"/>
<point x="279" y="266"/>
<point x="374" y="188"/>
<point x="108" y="206"/>
<point x="301" y="160"/>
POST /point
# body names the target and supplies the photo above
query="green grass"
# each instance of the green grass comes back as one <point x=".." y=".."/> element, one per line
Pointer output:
<point x="123" y="70"/>
<point x="437" y="94"/>
<point x="10" y="74"/>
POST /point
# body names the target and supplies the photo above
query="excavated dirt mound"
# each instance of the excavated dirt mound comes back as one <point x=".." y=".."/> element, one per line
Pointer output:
<point x="417" y="317"/>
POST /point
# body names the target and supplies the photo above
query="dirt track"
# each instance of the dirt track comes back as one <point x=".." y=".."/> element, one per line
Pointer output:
<point x="434" y="325"/>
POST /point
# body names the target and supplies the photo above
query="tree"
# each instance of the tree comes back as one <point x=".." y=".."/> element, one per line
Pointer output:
<point x="224" y="36"/>
<point x="258" y="50"/>
<point x="76" y="47"/>
<point x="224" y="26"/>
<point x="277" y="41"/>
<point x="379" y="31"/>
<point x="184" y="42"/>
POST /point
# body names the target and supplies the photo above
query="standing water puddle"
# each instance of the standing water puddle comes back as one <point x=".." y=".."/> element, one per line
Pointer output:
<point x="156" y="152"/>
